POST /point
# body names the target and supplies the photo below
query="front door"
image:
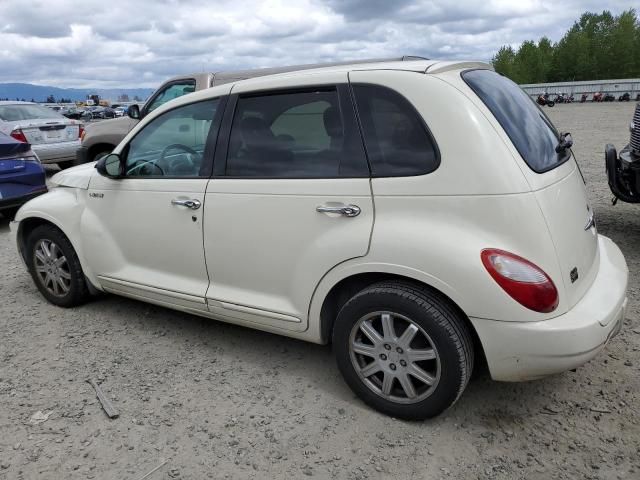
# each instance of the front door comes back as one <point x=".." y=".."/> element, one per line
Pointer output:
<point x="144" y="231"/>
<point x="290" y="201"/>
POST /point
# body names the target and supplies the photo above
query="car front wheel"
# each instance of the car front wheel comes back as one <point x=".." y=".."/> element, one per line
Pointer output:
<point x="403" y="350"/>
<point x="55" y="267"/>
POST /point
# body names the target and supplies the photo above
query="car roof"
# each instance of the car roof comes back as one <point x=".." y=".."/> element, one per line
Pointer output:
<point x="423" y="66"/>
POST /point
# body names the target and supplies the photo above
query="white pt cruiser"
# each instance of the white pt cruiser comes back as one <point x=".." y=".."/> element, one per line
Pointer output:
<point x="418" y="215"/>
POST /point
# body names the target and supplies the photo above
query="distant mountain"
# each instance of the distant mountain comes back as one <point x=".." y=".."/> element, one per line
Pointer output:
<point x="39" y="93"/>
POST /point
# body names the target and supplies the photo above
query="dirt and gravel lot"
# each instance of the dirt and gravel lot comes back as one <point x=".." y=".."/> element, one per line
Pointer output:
<point x="219" y="401"/>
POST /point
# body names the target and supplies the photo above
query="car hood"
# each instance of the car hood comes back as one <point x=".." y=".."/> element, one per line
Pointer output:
<point x="75" y="177"/>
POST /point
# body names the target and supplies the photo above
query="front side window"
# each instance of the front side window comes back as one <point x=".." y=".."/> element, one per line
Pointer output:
<point x="172" y="91"/>
<point x="304" y="134"/>
<point x="173" y="144"/>
<point x="397" y="140"/>
<point x="531" y="132"/>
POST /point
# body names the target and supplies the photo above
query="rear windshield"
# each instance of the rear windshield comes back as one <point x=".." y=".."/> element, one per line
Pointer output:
<point x="531" y="132"/>
<point x="26" y="111"/>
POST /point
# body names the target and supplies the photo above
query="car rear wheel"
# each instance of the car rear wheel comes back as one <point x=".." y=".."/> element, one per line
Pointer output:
<point x="403" y="350"/>
<point x="55" y="267"/>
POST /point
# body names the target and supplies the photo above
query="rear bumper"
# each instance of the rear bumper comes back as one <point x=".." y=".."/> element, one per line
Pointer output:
<point x="57" y="152"/>
<point x="518" y="351"/>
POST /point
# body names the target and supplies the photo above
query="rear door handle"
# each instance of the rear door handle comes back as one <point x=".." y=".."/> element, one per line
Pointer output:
<point x="192" y="204"/>
<point x="345" y="210"/>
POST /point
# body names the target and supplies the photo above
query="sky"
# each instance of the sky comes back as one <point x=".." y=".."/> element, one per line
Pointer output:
<point x="140" y="43"/>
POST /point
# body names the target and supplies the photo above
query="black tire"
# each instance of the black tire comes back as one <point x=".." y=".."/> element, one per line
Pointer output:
<point x="99" y="154"/>
<point x="433" y="313"/>
<point x="67" y="164"/>
<point x="550" y="103"/>
<point x="78" y="292"/>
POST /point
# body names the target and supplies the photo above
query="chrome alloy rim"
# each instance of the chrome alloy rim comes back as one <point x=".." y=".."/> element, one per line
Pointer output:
<point x="394" y="357"/>
<point x="52" y="268"/>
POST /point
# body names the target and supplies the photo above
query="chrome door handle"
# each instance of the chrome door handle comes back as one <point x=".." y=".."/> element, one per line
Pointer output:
<point x="346" y="210"/>
<point x="192" y="204"/>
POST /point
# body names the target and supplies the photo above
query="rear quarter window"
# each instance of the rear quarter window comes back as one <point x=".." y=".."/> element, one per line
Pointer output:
<point x="397" y="140"/>
<point x="531" y="132"/>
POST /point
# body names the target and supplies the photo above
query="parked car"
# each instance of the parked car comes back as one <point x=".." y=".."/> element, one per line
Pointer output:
<point x="609" y="97"/>
<point x="102" y="137"/>
<point x="120" y="111"/>
<point x="597" y="97"/>
<point x="21" y="175"/>
<point x="54" y="138"/>
<point x="74" y="113"/>
<point x="625" y="97"/>
<point x="253" y="203"/>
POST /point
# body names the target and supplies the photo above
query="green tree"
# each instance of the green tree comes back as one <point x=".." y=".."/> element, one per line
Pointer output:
<point x="503" y="61"/>
<point x="597" y="46"/>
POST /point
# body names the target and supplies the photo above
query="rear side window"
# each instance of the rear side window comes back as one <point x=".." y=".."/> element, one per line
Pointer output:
<point x="531" y="132"/>
<point x="299" y="134"/>
<point x="397" y="140"/>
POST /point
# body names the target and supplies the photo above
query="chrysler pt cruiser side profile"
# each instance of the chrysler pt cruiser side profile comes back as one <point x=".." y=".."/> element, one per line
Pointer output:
<point x="418" y="215"/>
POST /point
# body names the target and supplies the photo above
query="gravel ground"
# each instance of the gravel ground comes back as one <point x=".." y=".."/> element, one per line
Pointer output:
<point x="219" y="401"/>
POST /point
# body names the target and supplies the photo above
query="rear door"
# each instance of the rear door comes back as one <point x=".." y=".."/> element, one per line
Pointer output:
<point x="290" y="199"/>
<point x="554" y="177"/>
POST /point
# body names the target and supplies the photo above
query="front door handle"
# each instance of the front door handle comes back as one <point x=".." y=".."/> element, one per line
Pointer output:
<point x="346" y="210"/>
<point x="192" y="204"/>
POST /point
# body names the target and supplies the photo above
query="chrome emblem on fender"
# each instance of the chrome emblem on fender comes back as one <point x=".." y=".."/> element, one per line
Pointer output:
<point x="591" y="220"/>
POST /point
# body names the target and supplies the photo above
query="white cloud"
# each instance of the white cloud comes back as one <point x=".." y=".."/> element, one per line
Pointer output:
<point x="123" y="43"/>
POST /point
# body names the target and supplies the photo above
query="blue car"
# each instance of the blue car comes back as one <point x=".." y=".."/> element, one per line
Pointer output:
<point x="21" y="175"/>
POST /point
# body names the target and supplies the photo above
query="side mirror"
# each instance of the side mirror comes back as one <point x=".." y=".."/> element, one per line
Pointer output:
<point x="111" y="166"/>
<point x="134" y="111"/>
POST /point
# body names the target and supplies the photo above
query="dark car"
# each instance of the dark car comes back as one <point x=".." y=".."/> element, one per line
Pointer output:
<point x="625" y="97"/>
<point x="609" y="97"/>
<point x="21" y="175"/>
<point x="74" y="113"/>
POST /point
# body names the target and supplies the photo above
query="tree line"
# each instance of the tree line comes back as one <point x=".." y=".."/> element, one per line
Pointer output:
<point x="596" y="47"/>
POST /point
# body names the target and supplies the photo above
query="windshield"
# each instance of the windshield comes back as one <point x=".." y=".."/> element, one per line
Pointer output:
<point x="531" y="132"/>
<point x="26" y="111"/>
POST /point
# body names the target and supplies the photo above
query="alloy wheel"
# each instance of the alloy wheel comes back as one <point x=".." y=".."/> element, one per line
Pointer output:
<point x="394" y="357"/>
<point x="52" y="268"/>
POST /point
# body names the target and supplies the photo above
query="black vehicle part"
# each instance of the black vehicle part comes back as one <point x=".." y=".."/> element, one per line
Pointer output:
<point x="623" y="173"/>
<point x="634" y="142"/>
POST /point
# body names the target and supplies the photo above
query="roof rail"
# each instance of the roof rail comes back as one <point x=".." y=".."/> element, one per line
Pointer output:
<point x="220" y="78"/>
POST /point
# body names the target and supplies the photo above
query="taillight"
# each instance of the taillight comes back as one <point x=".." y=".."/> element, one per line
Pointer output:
<point x="18" y="134"/>
<point x="525" y="282"/>
<point x="80" y="131"/>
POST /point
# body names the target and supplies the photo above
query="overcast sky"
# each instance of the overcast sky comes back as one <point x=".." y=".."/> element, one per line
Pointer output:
<point x="135" y="43"/>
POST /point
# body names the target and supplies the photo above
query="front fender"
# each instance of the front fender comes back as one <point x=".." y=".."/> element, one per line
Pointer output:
<point x="60" y="207"/>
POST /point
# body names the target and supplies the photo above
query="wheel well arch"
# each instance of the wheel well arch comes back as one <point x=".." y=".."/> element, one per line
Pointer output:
<point x="349" y="286"/>
<point x="98" y="147"/>
<point x="25" y="227"/>
<point x="28" y="225"/>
